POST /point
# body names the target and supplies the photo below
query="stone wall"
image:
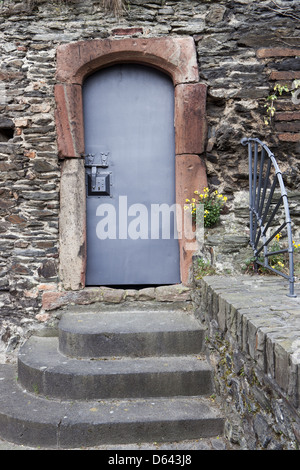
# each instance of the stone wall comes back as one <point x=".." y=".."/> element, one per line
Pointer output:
<point x="243" y="48"/>
<point x="253" y="345"/>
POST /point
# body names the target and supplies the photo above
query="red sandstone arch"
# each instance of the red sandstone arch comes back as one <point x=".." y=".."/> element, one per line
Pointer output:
<point x="174" y="56"/>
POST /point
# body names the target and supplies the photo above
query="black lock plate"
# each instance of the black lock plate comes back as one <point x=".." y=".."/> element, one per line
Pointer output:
<point x="99" y="185"/>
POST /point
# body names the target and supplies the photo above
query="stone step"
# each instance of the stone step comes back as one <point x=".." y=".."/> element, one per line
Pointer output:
<point x="122" y="374"/>
<point x="130" y="333"/>
<point x="32" y="420"/>
<point x="44" y="370"/>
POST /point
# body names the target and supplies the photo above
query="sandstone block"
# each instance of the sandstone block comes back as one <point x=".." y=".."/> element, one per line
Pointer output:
<point x="284" y="75"/>
<point x="69" y="123"/>
<point x="148" y="293"/>
<point x="72" y="225"/>
<point x="292" y="126"/>
<point x="172" y="293"/>
<point x="277" y="52"/>
<point x="190" y="176"/>
<point x="289" y="137"/>
<point x="287" y="116"/>
<point x="190" y="121"/>
<point x="126" y="31"/>
<point x="174" y="55"/>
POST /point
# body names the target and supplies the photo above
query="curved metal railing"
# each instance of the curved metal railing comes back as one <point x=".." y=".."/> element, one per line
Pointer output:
<point x="269" y="217"/>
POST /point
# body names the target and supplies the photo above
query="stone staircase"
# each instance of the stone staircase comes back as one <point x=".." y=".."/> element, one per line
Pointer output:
<point x="121" y="374"/>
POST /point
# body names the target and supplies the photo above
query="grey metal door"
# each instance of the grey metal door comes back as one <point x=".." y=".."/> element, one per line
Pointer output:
<point x="130" y="177"/>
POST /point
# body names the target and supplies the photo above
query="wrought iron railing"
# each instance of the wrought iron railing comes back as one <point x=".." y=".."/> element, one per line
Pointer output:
<point x="268" y="210"/>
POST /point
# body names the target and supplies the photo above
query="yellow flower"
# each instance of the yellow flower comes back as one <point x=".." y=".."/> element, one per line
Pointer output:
<point x="187" y="200"/>
<point x="225" y="198"/>
<point x="193" y="199"/>
<point x="201" y="195"/>
<point x="196" y="192"/>
<point x="186" y="208"/>
<point x="205" y="190"/>
<point x="205" y="195"/>
<point x="280" y="264"/>
<point x="278" y="236"/>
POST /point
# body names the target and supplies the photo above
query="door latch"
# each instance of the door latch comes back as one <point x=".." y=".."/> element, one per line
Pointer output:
<point x="104" y="159"/>
<point x="98" y="182"/>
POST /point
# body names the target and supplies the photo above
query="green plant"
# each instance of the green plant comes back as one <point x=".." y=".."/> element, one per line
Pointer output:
<point x="278" y="90"/>
<point x="276" y="261"/>
<point x="249" y="266"/>
<point x="203" y="268"/>
<point x="213" y="203"/>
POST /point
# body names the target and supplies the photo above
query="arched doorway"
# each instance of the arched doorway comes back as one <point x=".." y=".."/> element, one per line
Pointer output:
<point x="175" y="57"/>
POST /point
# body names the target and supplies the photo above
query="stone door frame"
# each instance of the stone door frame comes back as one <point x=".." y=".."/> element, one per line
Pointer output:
<point x="75" y="61"/>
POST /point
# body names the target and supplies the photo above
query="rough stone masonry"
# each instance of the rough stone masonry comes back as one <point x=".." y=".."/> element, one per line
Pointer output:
<point x="253" y="344"/>
<point x="243" y="48"/>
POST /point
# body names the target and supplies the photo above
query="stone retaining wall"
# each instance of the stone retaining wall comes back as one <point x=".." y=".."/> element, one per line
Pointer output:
<point x="253" y="344"/>
<point x="243" y="48"/>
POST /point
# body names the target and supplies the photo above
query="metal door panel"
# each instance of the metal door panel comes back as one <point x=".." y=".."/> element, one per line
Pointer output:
<point x="129" y="115"/>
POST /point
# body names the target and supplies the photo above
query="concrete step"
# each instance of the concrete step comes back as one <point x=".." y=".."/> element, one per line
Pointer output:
<point x="130" y="333"/>
<point x="32" y="420"/>
<point x="44" y="370"/>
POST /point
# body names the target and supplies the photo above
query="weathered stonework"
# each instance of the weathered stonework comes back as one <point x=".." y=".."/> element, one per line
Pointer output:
<point x="242" y="49"/>
<point x="72" y="233"/>
<point x="190" y="172"/>
<point x="190" y="119"/>
<point x="253" y="343"/>
<point x="173" y="55"/>
<point x="69" y="122"/>
<point x="90" y="295"/>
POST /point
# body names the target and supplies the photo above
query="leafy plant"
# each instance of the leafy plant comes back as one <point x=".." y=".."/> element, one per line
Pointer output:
<point x="277" y="261"/>
<point x="278" y="90"/>
<point x="203" y="268"/>
<point x="213" y="203"/>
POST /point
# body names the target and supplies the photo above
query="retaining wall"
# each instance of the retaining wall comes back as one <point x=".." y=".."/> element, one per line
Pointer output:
<point x="253" y="340"/>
